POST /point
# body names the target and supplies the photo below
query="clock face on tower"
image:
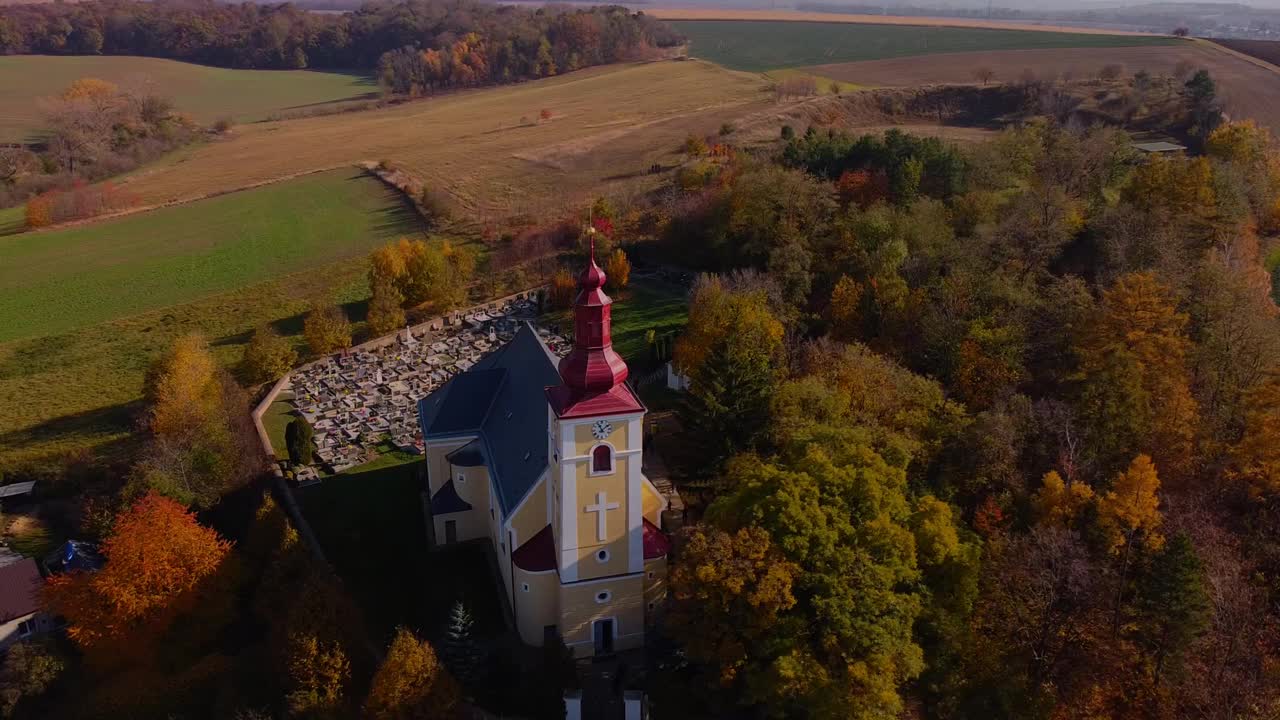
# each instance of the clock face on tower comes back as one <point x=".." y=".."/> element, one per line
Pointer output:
<point x="601" y="430"/>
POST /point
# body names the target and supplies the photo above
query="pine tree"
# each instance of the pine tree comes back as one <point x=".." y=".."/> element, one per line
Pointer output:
<point x="1172" y="605"/>
<point x="729" y="397"/>
<point x="460" y="652"/>
<point x="297" y="438"/>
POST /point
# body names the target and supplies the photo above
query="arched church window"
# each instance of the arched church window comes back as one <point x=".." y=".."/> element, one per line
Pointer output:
<point x="602" y="459"/>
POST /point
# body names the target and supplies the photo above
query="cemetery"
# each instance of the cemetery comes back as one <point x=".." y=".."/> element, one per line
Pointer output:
<point x="366" y="398"/>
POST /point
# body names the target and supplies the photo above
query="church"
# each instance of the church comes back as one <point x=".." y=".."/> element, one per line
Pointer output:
<point x="543" y="458"/>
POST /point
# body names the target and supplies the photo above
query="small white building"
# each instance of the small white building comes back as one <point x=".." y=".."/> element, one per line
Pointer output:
<point x="20" y="616"/>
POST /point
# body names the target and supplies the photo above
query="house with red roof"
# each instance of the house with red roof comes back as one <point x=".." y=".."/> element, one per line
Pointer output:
<point x="20" y="615"/>
<point x="542" y="457"/>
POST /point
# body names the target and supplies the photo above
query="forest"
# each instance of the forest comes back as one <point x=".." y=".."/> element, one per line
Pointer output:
<point x="483" y="43"/>
<point x="987" y="432"/>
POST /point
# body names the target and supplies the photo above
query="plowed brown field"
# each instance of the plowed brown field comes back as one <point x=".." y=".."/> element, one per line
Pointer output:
<point x="1248" y="90"/>
<point x="824" y="17"/>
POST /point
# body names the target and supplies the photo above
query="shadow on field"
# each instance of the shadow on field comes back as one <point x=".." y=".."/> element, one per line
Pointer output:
<point x="122" y="418"/>
<point x="356" y="311"/>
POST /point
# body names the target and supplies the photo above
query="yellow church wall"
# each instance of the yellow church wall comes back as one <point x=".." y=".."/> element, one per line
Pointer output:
<point x="537" y="607"/>
<point x="578" y="609"/>
<point x="614" y="487"/>
<point x="531" y="516"/>
<point x="584" y="441"/>
<point x="652" y="503"/>
<point x="474" y="489"/>
<point x="655" y="582"/>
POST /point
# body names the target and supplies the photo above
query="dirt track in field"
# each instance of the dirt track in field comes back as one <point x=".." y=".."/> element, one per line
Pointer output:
<point x="1248" y="90"/>
<point x="799" y="16"/>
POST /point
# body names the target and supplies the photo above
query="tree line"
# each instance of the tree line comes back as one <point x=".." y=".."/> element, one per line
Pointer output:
<point x="471" y="43"/>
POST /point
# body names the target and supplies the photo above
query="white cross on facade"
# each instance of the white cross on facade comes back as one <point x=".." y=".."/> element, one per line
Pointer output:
<point x="600" y="508"/>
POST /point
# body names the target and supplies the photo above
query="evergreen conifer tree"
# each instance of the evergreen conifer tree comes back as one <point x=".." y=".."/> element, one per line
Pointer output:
<point x="297" y="438"/>
<point x="459" y="651"/>
<point x="1172" y="605"/>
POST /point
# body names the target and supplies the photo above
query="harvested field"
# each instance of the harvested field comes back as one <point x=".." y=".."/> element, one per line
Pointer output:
<point x="206" y="93"/>
<point x="1247" y="89"/>
<point x="758" y="46"/>
<point x="676" y="14"/>
<point x="1265" y="50"/>
<point x="488" y="148"/>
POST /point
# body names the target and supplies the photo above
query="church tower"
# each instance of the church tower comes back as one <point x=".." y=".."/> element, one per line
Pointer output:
<point x="598" y="497"/>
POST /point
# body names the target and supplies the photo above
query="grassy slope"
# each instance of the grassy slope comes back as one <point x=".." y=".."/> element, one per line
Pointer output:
<point x="207" y="93"/>
<point x="73" y="388"/>
<point x="608" y="126"/>
<point x="760" y="46"/>
<point x="52" y="282"/>
<point x="643" y="306"/>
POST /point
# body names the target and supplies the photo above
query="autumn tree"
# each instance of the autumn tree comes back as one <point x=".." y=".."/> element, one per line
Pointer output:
<point x="268" y="355"/>
<point x="327" y="329"/>
<point x="1255" y="459"/>
<point x="157" y="560"/>
<point x="1058" y="504"/>
<point x="563" y="288"/>
<point x="203" y="441"/>
<point x="438" y="276"/>
<point x="729" y="592"/>
<point x="1130" y="511"/>
<point x="28" y="670"/>
<point x="386" y="308"/>
<point x="984" y="74"/>
<point x="1136" y="392"/>
<point x="182" y="388"/>
<point x="411" y="683"/>
<point x="618" y="270"/>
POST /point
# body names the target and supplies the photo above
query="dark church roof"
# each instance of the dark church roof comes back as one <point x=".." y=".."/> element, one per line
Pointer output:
<point x="502" y="401"/>
<point x="446" y="500"/>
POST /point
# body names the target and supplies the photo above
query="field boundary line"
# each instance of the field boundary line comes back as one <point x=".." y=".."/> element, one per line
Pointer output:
<point x="180" y="201"/>
<point x="685" y="14"/>
<point x="1239" y="55"/>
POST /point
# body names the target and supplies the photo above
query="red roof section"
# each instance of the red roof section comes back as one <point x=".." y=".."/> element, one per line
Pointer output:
<point x="538" y="553"/>
<point x="570" y="403"/>
<point x="656" y="544"/>
<point x="19" y="589"/>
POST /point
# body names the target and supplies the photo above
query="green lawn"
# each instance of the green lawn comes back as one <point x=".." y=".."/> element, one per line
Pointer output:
<point x="370" y="522"/>
<point x="206" y="93"/>
<point x="641" y="307"/>
<point x="57" y="281"/>
<point x="758" y="46"/>
<point x="275" y="419"/>
<point x="93" y="306"/>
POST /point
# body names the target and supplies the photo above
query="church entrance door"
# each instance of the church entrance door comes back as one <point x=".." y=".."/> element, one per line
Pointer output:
<point x="602" y="635"/>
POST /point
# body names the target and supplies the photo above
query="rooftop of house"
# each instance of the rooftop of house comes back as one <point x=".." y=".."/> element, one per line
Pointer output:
<point x="19" y="589"/>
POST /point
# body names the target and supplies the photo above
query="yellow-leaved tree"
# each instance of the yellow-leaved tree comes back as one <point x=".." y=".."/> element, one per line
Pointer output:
<point x="327" y="329"/>
<point x="1255" y="460"/>
<point x="618" y="270"/>
<point x="1059" y="504"/>
<point x="1130" y="511"/>
<point x="411" y="683"/>
<point x="183" y="388"/>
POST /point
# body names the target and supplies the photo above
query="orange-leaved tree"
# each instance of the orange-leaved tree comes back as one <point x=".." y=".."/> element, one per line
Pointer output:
<point x="1256" y="458"/>
<point x="1136" y="383"/>
<point x="157" y="556"/>
<point x="411" y="683"/>
<point x="618" y="269"/>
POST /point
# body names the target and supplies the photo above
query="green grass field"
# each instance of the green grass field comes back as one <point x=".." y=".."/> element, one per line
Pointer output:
<point x="85" y="310"/>
<point x="758" y="46"/>
<point x="206" y="93"/>
<point x="56" y="281"/>
<point x="643" y="306"/>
